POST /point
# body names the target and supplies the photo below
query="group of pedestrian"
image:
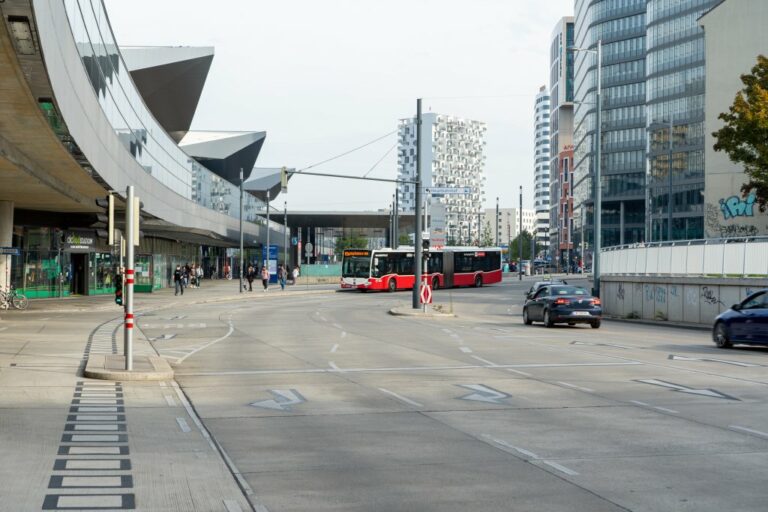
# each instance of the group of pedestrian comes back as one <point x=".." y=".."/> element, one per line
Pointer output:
<point x="284" y="274"/>
<point x="186" y="276"/>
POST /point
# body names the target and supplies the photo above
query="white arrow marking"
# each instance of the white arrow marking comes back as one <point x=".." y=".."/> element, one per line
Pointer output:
<point x="683" y="389"/>
<point x="466" y="350"/>
<point x="163" y="337"/>
<point x="674" y="357"/>
<point x="484" y="394"/>
<point x="284" y="399"/>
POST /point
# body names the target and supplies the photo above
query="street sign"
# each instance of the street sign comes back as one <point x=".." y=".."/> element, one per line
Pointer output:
<point x="443" y="191"/>
<point x="10" y="251"/>
<point x="308" y="249"/>
<point x="294" y="240"/>
<point x="426" y="294"/>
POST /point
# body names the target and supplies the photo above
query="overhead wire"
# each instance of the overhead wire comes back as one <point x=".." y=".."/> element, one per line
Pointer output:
<point x="380" y="160"/>
<point x="347" y="152"/>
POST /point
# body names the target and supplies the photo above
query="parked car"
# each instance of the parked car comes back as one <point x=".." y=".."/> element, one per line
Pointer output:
<point x="555" y="304"/>
<point x="745" y="322"/>
<point x="538" y="284"/>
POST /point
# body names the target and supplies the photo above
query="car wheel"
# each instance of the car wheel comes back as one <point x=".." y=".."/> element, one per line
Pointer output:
<point x="595" y="324"/>
<point x="435" y="283"/>
<point x="392" y="285"/>
<point x="478" y="281"/>
<point x="722" y="336"/>
<point x="526" y="319"/>
<point x="571" y="323"/>
<point x="548" y="319"/>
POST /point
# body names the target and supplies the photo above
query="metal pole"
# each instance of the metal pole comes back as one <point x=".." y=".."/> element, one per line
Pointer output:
<point x="268" y="269"/>
<point x="396" y="224"/>
<point x="669" y="179"/>
<point x="416" y="211"/>
<point x="598" y="180"/>
<point x="520" y="236"/>
<point x="285" y="236"/>
<point x="129" y="278"/>
<point x="241" y="231"/>
<point x="498" y="234"/>
<point x="583" y="221"/>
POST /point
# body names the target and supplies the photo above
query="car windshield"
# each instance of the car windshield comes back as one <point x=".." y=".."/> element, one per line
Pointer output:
<point x="568" y="290"/>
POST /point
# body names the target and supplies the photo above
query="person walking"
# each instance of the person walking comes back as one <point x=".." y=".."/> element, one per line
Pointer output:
<point x="199" y="275"/>
<point x="178" y="282"/>
<point x="281" y="276"/>
<point x="265" y="277"/>
<point x="295" y="273"/>
<point x="250" y="275"/>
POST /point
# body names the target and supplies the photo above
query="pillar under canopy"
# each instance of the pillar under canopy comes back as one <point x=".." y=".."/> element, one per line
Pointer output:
<point x="6" y="240"/>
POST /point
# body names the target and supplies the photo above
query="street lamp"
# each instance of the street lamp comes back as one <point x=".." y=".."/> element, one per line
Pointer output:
<point x="597" y="185"/>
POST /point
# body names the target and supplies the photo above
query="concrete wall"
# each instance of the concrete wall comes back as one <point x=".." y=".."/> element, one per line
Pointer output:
<point x="677" y="299"/>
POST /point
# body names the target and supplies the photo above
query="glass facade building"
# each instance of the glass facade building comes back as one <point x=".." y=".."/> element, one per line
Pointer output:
<point x="675" y="112"/>
<point x="621" y="26"/>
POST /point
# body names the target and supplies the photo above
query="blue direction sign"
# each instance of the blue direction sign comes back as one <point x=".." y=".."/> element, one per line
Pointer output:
<point x="443" y="191"/>
<point x="10" y="251"/>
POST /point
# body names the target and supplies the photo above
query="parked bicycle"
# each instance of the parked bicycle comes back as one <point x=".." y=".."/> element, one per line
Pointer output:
<point x="12" y="298"/>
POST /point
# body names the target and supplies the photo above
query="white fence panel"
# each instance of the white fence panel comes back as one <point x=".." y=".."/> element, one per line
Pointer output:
<point x="665" y="257"/>
<point x="695" y="260"/>
<point x="756" y="259"/>
<point x="632" y="255"/>
<point x="652" y="260"/>
<point x="678" y="259"/>
<point x="713" y="259"/>
<point x="733" y="259"/>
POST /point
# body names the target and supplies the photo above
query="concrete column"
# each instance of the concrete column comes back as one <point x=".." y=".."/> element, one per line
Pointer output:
<point x="6" y="240"/>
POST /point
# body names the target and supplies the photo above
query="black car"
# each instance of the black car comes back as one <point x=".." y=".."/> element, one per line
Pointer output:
<point x="555" y="304"/>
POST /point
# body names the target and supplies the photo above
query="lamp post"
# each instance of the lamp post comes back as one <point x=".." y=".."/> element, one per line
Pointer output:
<point x="520" y="237"/>
<point x="285" y="236"/>
<point x="416" y="211"/>
<point x="241" y="231"/>
<point x="498" y="234"/>
<point x="597" y="178"/>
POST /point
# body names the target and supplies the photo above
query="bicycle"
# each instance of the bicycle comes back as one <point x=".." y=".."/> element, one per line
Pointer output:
<point x="13" y="298"/>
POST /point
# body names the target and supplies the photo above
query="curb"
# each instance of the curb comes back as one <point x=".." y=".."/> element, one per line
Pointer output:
<point x="111" y="367"/>
<point x="417" y="313"/>
<point x="674" y="325"/>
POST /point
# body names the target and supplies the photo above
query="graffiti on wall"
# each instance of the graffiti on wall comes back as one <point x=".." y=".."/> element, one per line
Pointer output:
<point x="709" y="296"/>
<point x="718" y="229"/>
<point x="620" y="292"/>
<point x="736" y="206"/>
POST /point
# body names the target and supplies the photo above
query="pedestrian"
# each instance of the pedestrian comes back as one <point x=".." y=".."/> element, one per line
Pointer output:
<point x="295" y="273"/>
<point x="250" y="275"/>
<point x="178" y="280"/>
<point x="281" y="276"/>
<point x="199" y="275"/>
<point x="265" y="277"/>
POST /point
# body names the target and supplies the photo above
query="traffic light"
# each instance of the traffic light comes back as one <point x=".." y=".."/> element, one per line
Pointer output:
<point x="283" y="180"/>
<point x="425" y="244"/>
<point x="119" y="289"/>
<point x="107" y="219"/>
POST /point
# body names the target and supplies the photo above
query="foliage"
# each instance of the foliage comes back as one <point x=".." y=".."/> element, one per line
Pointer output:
<point x="488" y="239"/>
<point x="745" y="134"/>
<point x="451" y="242"/>
<point x="404" y="239"/>
<point x="352" y="241"/>
<point x="514" y="250"/>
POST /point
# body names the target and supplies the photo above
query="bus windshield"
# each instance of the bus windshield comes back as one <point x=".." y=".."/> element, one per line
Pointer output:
<point x="356" y="266"/>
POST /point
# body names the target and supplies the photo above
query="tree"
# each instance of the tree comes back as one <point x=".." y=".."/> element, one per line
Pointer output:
<point x="514" y="248"/>
<point x="745" y="134"/>
<point x="488" y="239"/>
<point x="352" y="241"/>
<point x="404" y="239"/>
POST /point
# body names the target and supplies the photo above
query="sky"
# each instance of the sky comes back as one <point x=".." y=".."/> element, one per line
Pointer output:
<point x="324" y="77"/>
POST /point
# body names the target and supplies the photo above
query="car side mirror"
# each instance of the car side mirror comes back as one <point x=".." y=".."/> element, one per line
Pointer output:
<point x="736" y="307"/>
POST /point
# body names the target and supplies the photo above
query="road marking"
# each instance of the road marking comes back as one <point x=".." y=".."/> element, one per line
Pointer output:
<point x="232" y="506"/>
<point x="163" y="384"/>
<point x="447" y="331"/>
<point x="574" y="386"/>
<point x="560" y="467"/>
<point x="183" y="425"/>
<point x="169" y="399"/>
<point x="505" y="444"/>
<point x="519" y="372"/>
<point x="404" y="369"/>
<point x="229" y="333"/>
<point x="3" y="328"/>
<point x="672" y="411"/>
<point x="401" y="398"/>
<point x="674" y="357"/>
<point x="333" y="366"/>
<point x="484" y="360"/>
<point x="334" y="348"/>
<point x="83" y="501"/>
<point x="343" y="334"/>
<point x="92" y="450"/>
<point x="711" y="393"/>
<point x="284" y="399"/>
<point x="483" y="394"/>
<point x="466" y="350"/>
<point x="338" y="327"/>
<point x="115" y="464"/>
<point x="323" y="319"/>
<point x="745" y="429"/>
<point x="638" y="402"/>
<point x="600" y="344"/>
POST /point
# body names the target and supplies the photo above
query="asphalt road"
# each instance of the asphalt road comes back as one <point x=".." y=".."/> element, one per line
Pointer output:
<point x="326" y="402"/>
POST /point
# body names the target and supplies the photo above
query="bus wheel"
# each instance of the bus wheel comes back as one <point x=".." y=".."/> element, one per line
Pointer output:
<point x="435" y="283"/>
<point x="478" y="281"/>
<point x="392" y="285"/>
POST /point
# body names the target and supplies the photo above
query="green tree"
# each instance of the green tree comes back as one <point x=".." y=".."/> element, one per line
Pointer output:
<point x="745" y="134"/>
<point x="353" y="241"/>
<point x="514" y="250"/>
<point x="488" y="239"/>
<point x="404" y="239"/>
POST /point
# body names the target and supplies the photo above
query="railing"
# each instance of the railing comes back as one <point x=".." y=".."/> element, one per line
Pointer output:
<point x="731" y="257"/>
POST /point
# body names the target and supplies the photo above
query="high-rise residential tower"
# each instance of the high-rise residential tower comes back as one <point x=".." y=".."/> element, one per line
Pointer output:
<point x="620" y="25"/>
<point x="675" y="105"/>
<point x="541" y="166"/>
<point x="561" y="140"/>
<point x="452" y="155"/>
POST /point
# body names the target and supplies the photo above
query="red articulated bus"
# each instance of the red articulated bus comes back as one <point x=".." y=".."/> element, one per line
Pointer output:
<point x="392" y="269"/>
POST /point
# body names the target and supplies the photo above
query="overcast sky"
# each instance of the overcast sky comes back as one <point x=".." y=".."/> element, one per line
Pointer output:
<point x="323" y="77"/>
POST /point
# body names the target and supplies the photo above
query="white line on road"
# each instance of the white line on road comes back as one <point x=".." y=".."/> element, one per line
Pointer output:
<point x="229" y="333"/>
<point x="518" y="371"/>
<point x="466" y="350"/>
<point x="638" y="402"/>
<point x="322" y="318"/>
<point x="505" y="444"/>
<point x="162" y="384"/>
<point x="333" y="366"/>
<point x="574" y="386"/>
<point x="232" y="506"/>
<point x="334" y="348"/>
<point x="484" y="360"/>
<point x="401" y="398"/>
<point x="745" y="429"/>
<point x="183" y="425"/>
<point x="402" y="369"/>
<point x="3" y="328"/>
<point x="559" y="467"/>
<point x="338" y="327"/>
<point x="664" y="409"/>
<point x="447" y="331"/>
<point x="169" y="399"/>
<point x="343" y="334"/>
